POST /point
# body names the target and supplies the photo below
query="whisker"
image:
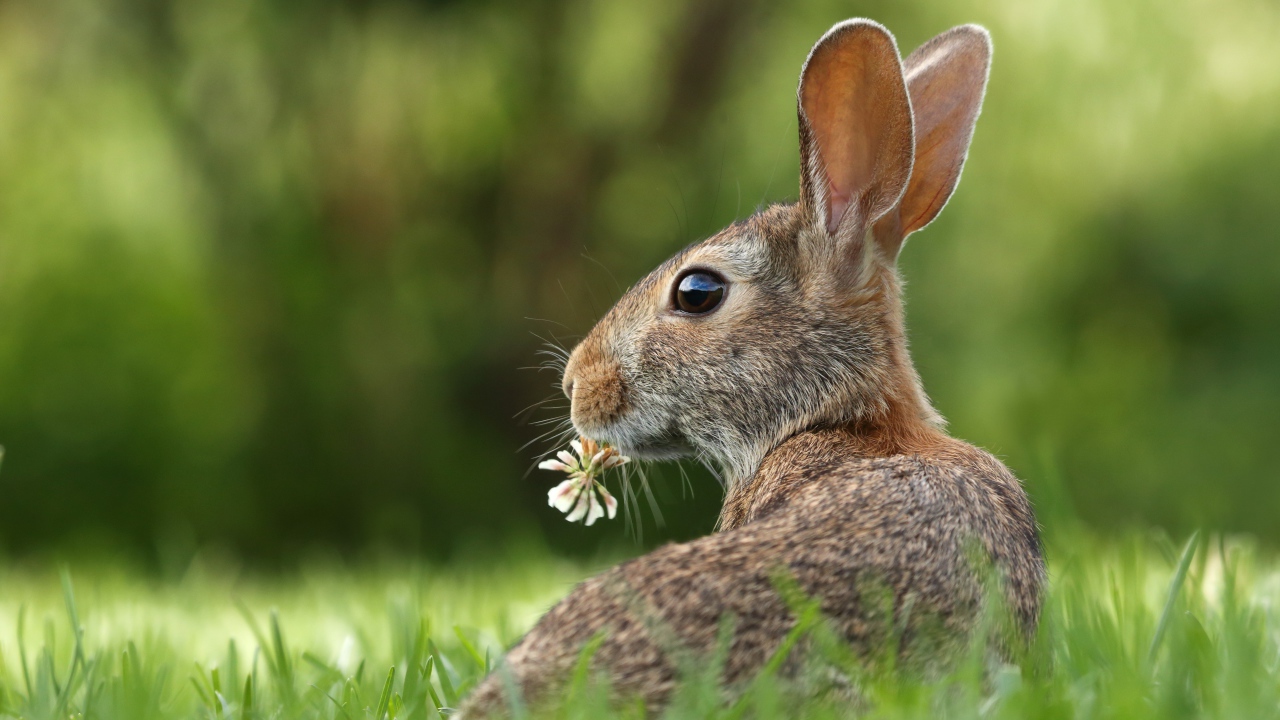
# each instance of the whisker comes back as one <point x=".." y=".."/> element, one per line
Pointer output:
<point x="545" y="320"/>
<point x="685" y="483"/>
<point x="561" y="438"/>
<point x="568" y="426"/>
<point x="635" y="477"/>
<point x="626" y="499"/>
<point x="541" y="403"/>
<point x="555" y="346"/>
<point x="653" y="502"/>
<point x="550" y="343"/>
<point x="552" y="347"/>
<point x="548" y="421"/>
<point x="616" y="284"/>
<point x="706" y="463"/>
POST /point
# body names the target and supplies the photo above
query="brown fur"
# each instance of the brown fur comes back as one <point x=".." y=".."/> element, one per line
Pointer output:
<point x="598" y="387"/>
<point x="800" y="386"/>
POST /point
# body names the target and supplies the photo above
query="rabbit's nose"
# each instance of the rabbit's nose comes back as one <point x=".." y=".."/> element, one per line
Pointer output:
<point x="567" y="386"/>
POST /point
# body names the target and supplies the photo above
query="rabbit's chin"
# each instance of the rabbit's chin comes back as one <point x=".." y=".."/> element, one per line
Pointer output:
<point x="654" y="452"/>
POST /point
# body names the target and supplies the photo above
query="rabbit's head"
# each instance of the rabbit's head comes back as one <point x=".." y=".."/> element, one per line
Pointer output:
<point x="792" y="319"/>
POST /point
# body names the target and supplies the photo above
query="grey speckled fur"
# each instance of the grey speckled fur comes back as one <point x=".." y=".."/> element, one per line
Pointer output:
<point x="799" y="385"/>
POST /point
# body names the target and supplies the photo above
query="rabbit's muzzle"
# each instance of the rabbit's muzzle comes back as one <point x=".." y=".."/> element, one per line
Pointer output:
<point x="595" y="388"/>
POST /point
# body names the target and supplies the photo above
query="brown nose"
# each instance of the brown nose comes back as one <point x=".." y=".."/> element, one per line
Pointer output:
<point x="570" y="372"/>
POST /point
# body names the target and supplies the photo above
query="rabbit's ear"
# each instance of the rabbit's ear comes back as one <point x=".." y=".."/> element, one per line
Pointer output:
<point x="947" y="78"/>
<point x="855" y="129"/>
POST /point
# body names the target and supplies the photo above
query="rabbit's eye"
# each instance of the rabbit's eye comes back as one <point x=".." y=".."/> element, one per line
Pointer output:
<point x="699" y="292"/>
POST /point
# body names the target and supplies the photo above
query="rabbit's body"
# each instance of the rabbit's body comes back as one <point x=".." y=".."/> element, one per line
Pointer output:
<point x="846" y="527"/>
<point x="777" y="349"/>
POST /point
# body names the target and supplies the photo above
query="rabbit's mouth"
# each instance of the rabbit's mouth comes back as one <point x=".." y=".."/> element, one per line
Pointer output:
<point x="642" y="443"/>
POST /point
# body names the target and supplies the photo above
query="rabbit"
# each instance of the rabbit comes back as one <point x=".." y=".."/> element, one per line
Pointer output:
<point x="777" y="349"/>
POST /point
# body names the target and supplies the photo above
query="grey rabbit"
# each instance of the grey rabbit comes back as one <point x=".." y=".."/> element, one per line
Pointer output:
<point x="777" y="349"/>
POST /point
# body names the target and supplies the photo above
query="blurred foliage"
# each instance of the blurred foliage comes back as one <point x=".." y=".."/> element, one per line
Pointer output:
<point x="268" y="271"/>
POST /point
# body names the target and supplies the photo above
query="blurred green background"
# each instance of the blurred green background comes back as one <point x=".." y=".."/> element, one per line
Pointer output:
<point x="269" y="271"/>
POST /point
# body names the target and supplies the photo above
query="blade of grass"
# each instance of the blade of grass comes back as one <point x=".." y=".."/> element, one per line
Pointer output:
<point x="426" y="673"/>
<point x="77" y="634"/>
<point x="442" y="672"/>
<point x="466" y="645"/>
<point x="1175" y="587"/>
<point x="415" y="699"/>
<point x="582" y="670"/>
<point x="22" y="648"/>
<point x="341" y="708"/>
<point x="284" y="666"/>
<point x="246" y="703"/>
<point x="50" y="668"/>
<point x="215" y="683"/>
<point x="385" y="698"/>
<point x="196" y="680"/>
<point x="260" y="636"/>
<point x="317" y="663"/>
<point x="233" y="670"/>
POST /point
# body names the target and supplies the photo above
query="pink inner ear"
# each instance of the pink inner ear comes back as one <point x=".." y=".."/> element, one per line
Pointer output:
<point x="839" y="202"/>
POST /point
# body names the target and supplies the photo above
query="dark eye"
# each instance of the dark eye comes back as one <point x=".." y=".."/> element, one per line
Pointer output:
<point x="699" y="292"/>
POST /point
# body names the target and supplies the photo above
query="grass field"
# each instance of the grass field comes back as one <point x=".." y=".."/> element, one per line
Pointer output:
<point x="1120" y="637"/>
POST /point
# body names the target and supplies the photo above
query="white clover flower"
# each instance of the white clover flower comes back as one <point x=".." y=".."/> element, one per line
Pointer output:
<point x="583" y="495"/>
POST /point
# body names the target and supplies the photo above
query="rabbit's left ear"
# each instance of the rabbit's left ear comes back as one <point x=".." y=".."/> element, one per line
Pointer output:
<point x="855" y="130"/>
<point x="947" y="78"/>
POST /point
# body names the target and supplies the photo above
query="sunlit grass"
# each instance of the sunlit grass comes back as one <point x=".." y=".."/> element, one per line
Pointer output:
<point x="1121" y="637"/>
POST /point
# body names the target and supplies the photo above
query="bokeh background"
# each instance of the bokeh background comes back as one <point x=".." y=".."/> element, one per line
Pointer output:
<point x="270" y="271"/>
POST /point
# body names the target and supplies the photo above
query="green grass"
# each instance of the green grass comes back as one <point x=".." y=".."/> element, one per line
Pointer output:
<point x="1133" y="628"/>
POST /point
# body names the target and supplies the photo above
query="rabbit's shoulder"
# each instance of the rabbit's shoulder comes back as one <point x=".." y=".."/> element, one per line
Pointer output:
<point x="910" y="518"/>
<point x="830" y="477"/>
